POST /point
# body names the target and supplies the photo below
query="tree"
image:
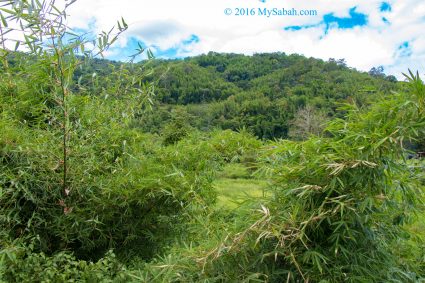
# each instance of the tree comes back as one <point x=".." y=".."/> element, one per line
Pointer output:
<point x="377" y="72"/>
<point x="177" y="128"/>
<point x="391" y="79"/>
<point x="76" y="139"/>
<point x="342" y="63"/>
<point x="307" y="121"/>
<point x="42" y="30"/>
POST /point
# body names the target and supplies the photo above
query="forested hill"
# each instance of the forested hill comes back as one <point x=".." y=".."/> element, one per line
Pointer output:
<point x="262" y="93"/>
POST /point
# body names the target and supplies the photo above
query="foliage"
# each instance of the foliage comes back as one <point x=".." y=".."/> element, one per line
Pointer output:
<point x="25" y="265"/>
<point x="178" y="128"/>
<point x="72" y="171"/>
<point x="340" y="203"/>
<point x="235" y="146"/>
<point x="235" y="171"/>
<point x="117" y="179"/>
<point x="339" y="209"/>
<point x="261" y="93"/>
<point x="187" y="192"/>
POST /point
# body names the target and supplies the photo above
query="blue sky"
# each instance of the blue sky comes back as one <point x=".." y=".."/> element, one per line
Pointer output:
<point x="366" y="33"/>
<point x="330" y="21"/>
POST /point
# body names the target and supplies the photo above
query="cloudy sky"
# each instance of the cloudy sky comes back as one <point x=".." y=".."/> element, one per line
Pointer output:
<point x="366" y="33"/>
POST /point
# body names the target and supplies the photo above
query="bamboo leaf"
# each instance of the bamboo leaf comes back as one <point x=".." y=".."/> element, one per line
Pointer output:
<point x="3" y="20"/>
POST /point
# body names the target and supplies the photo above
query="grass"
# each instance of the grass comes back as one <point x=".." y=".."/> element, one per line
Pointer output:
<point x="418" y="226"/>
<point x="233" y="192"/>
<point x="235" y="185"/>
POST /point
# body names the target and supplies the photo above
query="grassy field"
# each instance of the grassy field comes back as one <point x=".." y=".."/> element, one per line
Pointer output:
<point x="235" y="185"/>
<point x="233" y="192"/>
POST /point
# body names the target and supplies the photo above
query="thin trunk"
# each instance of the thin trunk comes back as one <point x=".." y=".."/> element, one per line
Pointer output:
<point x="65" y="128"/>
<point x="65" y="119"/>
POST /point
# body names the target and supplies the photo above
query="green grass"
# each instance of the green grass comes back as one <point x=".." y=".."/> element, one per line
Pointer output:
<point x="233" y="192"/>
<point x="235" y="185"/>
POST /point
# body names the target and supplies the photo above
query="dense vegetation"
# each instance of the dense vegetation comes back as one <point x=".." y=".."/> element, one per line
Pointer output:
<point x="261" y="93"/>
<point x="216" y="168"/>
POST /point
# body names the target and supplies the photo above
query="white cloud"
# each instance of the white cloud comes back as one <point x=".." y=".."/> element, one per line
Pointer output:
<point x="166" y="24"/>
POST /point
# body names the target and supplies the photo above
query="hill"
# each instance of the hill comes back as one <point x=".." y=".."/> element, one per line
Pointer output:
<point x="261" y="93"/>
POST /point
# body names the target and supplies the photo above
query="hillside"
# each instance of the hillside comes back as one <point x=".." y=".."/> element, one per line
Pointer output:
<point x="261" y="93"/>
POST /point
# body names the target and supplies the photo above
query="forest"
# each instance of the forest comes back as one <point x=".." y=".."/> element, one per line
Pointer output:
<point x="215" y="168"/>
<point x="261" y="93"/>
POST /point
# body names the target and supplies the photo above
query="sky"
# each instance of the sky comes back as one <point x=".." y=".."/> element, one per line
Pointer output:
<point x="366" y="33"/>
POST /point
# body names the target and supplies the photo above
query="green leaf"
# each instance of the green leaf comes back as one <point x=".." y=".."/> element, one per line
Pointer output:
<point x="8" y="11"/>
<point x="113" y="40"/>
<point x="3" y="20"/>
<point x="124" y="23"/>
<point x="150" y="54"/>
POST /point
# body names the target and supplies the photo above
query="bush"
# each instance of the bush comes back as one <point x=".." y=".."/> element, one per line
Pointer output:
<point x="235" y="146"/>
<point x="339" y="211"/>
<point x="20" y="263"/>
<point x="340" y="203"/>
<point x="124" y="189"/>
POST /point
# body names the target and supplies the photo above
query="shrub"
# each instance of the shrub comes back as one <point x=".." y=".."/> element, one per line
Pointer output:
<point x="20" y="263"/>
<point x="125" y="190"/>
<point x="235" y="146"/>
<point x="339" y="210"/>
